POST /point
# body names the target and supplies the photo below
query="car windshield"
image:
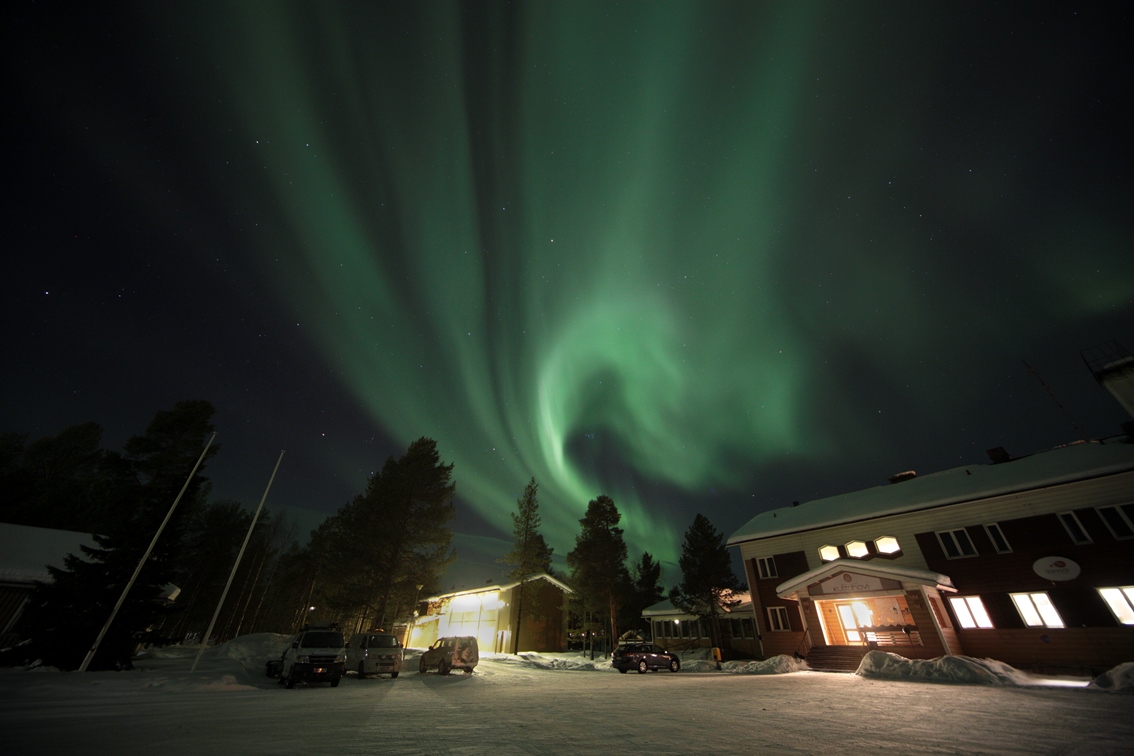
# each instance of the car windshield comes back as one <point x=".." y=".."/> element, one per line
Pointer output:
<point x="326" y="639"/>
<point x="383" y="641"/>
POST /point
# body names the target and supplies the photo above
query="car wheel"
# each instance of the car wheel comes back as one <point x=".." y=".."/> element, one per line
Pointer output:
<point x="623" y="671"/>
<point x="362" y="670"/>
<point x="468" y="670"/>
<point x="444" y="667"/>
<point x="642" y="667"/>
<point x="421" y="666"/>
<point x="674" y="665"/>
<point x="335" y="681"/>
<point x="393" y="675"/>
<point x="289" y="682"/>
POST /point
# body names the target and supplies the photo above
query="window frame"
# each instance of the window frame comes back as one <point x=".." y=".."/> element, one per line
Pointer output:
<point x="988" y="530"/>
<point x="1062" y="517"/>
<point x="1123" y="518"/>
<point x="1038" y="608"/>
<point x="766" y="568"/>
<point x="970" y="620"/>
<point x="1125" y="593"/>
<point x="778" y="615"/>
<point x="953" y="538"/>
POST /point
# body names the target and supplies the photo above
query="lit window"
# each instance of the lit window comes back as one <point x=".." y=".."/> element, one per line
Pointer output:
<point x="887" y="545"/>
<point x="1117" y="521"/>
<point x="956" y="543"/>
<point x="970" y="612"/>
<point x="1121" y="602"/>
<point x="1037" y="610"/>
<point x="996" y="535"/>
<point x="1074" y="528"/>
<point x="767" y="567"/>
<point x="857" y="549"/>
<point x="778" y="618"/>
<point x="828" y="553"/>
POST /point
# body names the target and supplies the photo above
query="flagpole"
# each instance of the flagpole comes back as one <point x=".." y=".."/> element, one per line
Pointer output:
<point x="142" y="561"/>
<point x="231" y="575"/>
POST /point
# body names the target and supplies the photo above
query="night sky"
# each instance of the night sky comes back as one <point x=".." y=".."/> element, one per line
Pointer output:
<point x="702" y="257"/>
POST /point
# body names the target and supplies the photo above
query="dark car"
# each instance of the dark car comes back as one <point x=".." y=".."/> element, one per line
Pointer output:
<point x="642" y="657"/>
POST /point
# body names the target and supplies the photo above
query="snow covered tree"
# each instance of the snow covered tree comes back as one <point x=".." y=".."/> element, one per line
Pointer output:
<point x="707" y="579"/>
<point x="598" y="562"/>
<point x="530" y="554"/>
<point x="65" y="616"/>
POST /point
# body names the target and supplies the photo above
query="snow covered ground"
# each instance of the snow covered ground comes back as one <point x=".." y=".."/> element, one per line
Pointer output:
<point x="539" y="703"/>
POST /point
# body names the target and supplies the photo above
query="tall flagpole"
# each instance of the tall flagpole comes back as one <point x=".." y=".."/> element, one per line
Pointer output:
<point x="231" y="575"/>
<point x="142" y="561"/>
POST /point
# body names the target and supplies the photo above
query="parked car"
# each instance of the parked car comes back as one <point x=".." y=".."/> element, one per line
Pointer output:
<point x="643" y="657"/>
<point x="447" y="654"/>
<point x="315" y="654"/>
<point x="374" y="654"/>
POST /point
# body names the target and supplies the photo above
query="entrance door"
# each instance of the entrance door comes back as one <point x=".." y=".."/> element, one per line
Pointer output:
<point x="853" y="615"/>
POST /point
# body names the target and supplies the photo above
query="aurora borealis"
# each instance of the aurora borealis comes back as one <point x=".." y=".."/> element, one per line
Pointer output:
<point x="700" y="256"/>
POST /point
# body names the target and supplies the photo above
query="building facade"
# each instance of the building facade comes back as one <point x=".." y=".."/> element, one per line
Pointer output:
<point x="1027" y="561"/>
<point x="677" y="631"/>
<point x="491" y="614"/>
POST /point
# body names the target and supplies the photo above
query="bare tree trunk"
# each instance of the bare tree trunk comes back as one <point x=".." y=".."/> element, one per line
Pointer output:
<point x="519" y="619"/>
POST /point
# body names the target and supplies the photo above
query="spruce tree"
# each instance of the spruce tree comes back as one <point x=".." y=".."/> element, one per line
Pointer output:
<point x="707" y="579"/>
<point x="598" y="562"/>
<point x="530" y="554"/>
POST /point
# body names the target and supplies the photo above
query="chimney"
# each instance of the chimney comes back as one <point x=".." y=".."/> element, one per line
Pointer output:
<point x="1113" y="368"/>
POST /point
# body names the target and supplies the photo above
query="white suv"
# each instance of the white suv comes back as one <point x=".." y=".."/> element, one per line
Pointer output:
<point x="316" y="654"/>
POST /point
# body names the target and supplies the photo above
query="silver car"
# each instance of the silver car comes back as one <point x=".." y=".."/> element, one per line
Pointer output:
<point x="374" y="654"/>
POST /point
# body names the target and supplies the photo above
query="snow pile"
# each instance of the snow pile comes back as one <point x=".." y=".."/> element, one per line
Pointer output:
<point x="777" y="665"/>
<point x="1117" y="680"/>
<point x="532" y="660"/>
<point x="944" y="669"/>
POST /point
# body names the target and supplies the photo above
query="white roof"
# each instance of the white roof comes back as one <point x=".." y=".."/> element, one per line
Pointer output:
<point x="667" y="609"/>
<point x="873" y="568"/>
<point x="1079" y="461"/>
<point x="504" y="587"/>
<point x="25" y="551"/>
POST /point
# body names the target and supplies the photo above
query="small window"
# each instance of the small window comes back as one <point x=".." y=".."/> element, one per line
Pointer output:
<point x="857" y="549"/>
<point x="828" y="553"/>
<point x="767" y="567"/>
<point x="778" y="618"/>
<point x="887" y="545"/>
<point x="1074" y="528"/>
<point x="1117" y="521"/>
<point x="970" y="612"/>
<point x="956" y="543"/>
<point x="1121" y="602"/>
<point x="996" y="535"/>
<point x="1037" y="610"/>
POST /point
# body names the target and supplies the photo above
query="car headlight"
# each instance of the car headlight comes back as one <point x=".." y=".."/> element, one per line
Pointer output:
<point x="304" y="659"/>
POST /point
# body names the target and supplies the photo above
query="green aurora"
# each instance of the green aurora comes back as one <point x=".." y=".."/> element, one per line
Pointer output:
<point x="643" y="249"/>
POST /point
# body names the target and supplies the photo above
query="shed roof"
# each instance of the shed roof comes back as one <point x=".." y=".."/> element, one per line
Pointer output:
<point x="1065" y="464"/>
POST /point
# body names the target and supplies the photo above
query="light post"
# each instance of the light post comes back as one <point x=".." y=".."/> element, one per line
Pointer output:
<point x="413" y="619"/>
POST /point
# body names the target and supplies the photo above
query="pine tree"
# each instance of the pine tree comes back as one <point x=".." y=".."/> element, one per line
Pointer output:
<point x="530" y="554"/>
<point x="707" y="579"/>
<point x="645" y="591"/>
<point x="64" y="617"/>
<point x="394" y="536"/>
<point x="598" y="562"/>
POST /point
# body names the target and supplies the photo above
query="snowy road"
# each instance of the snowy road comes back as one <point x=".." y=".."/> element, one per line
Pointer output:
<point x="515" y="708"/>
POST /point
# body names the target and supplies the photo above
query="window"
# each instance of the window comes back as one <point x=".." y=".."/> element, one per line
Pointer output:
<point x="970" y="612"/>
<point x="887" y="545"/>
<point x="1117" y="521"/>
<point x="956" y="543"/>
<point x="740" y="627"/>
<point x="828" y="553"/>
<point x="1037" y="610"/>
<point x="1121" y="602"/>
<point x="996" y="535"/>
<point x="767" y="567"/>
<point x="778" y="618"/>
<point x="857" y="549"/>
<point x="1074" y="528"/>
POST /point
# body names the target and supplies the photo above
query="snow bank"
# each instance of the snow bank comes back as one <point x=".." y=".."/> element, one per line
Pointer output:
<point x="533" y="660"/>
<point x="777" y="665"/>
<point x="1117" y="680"/>
<point x="944" y="669"/>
